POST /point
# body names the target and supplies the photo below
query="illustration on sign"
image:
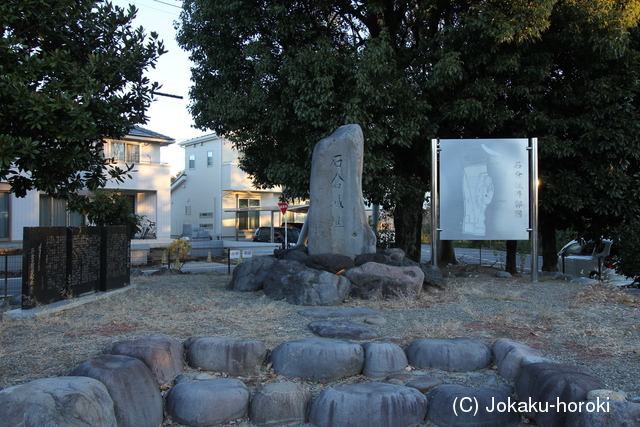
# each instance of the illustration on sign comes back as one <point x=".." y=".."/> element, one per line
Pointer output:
<point x="484" y="189"/>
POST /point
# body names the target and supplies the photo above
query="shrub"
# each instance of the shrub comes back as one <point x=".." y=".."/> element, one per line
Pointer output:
<point x="627" y="258"/>
<point x="176" y="253"/>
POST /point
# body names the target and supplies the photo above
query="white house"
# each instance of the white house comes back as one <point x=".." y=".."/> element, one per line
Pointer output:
<point x="214" y="194"/>
<point x="148" y="190"/>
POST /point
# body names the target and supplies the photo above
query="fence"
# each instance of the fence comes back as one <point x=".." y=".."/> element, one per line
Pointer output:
<point x="10" y="274"/>
<point x="66" y="262"/>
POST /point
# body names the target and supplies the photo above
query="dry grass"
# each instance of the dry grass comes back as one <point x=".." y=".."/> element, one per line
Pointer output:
<point x="571" y="323"/>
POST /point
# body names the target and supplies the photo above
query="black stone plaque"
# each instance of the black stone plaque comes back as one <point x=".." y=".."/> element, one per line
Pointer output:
<point x="44" y="266"/>
<point x="116" y="258"/>
<point x="63" y="262"/>
<point x="85" y="259"/>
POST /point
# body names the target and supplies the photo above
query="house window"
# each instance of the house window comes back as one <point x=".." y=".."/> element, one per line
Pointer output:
<point x="187" y="210"/>
<point x="4" y="215"/>
<point x="206" y="214"/>
<point x="209" y="158"/>
<point x="125" y="152"/>
<point x="248" y="220"/>
<point x="53" y="213"/>
<point x="192" y="161"/>
<point x="206" y="226"/>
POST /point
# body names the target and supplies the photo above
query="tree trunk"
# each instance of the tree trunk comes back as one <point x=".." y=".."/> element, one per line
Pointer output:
<point x="447" y="253"/>
<point x="407" y="218"/>
<point x="512" y="254"/>
<point x="549" y="249"/>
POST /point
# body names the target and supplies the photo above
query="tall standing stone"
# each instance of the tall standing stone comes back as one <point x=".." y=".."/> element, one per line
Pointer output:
<point x="337" y="220"/>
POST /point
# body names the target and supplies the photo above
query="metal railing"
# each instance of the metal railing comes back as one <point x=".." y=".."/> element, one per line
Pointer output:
<point x="10" y="275"/>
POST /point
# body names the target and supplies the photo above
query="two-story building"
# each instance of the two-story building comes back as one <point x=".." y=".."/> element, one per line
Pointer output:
<point x="148" y="190"/>
<point x="214" y="194"/>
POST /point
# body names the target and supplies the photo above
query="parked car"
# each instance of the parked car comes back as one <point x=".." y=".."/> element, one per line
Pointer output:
<point x="591" y="258"/>
<point x="263" y="234"/>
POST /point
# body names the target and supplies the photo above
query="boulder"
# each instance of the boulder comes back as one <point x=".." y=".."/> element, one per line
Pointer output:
<point x="333" y="263"/>
<point x="337" y="222"/>
<point x="456" y="405"/>
<point x="209" y="402"/>
<point x="432" y="275"/>
<point x="508" y="355"/>
<point x="372" y="257"/>
<point x="454" y="354"/>
<point x="396" y="254"/>
<point x="341" y="328"/>
<point x="292" y="254"/>
<point x="368" y="404"/>
<point x="61" y="401"/>
<point x="318" y="359"/>
<point x="310" y="287"/>
<point x="280" y="404"/>
<point x="554" y="386"/>
<point x="272" y="285"/>
<point x="133" y="388"/>
<point x="373" y="280"/>
<point x="231" y="355"/>
<point x="162" y="355"/>
<point x="383" y="359"/>
<point x="249" y="275"/>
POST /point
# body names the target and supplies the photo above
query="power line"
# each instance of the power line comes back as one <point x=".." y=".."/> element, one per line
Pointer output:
<point x="168" y="4"/>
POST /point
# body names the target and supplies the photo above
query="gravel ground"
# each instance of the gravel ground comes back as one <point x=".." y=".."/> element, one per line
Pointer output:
<point x="593" y="326"/>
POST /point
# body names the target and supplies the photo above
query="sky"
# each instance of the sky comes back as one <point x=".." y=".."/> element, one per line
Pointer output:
<point x="168" y="116"/>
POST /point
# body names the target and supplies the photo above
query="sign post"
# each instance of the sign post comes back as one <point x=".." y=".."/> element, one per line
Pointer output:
<point x="283" y="208"/>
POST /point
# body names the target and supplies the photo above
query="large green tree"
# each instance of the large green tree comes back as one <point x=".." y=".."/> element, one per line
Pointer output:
<point x="278" y="76"/>
<point x="71" y="73"/>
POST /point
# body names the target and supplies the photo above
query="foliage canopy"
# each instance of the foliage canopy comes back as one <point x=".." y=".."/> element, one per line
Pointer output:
<point x="71" y="73"/>
<point x="277" y="76"/>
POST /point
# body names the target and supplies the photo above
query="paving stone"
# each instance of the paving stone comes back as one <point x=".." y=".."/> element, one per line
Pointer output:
<point x="341" y="328"/>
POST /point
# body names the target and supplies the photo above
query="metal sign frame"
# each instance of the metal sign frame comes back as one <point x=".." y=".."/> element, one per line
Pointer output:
<point x="532" y="176"/>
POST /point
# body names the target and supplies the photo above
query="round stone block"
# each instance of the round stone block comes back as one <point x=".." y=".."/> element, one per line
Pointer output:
<point x="456" y="405"/>
<point x="209" y="402"/>
<point x="132" y="386"/>
<point x="382" y="359"/>
<point x="318" y="359"/>
<point x="61" y="401"/>
<point x="162" y="355"/>
<point x="368" y="404"/>
<point x="454" y="354"/>
<point x="280" y="404"/>
<point x="231" y="355"/>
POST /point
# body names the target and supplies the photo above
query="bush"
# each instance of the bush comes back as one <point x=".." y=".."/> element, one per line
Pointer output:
<point x="106" y="207"/>
<point x="627" y="258"/>
<point x="176" y="253"/>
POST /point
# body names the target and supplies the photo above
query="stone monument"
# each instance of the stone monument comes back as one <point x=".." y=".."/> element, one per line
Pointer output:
<point x="337" y="221"/>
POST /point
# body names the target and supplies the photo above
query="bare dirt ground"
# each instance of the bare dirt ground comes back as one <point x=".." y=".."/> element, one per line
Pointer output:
<point x="594" y="326"/>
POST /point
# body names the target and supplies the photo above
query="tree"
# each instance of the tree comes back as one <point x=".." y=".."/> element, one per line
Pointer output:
<point x="277" y="77"/>
<point x="107" y="207"/>
<point x="71" y="73"/>
<point x="584" y="108"/>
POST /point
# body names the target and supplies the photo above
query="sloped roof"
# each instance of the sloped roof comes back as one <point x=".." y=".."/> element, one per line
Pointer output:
<point x="146" y="133"/>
